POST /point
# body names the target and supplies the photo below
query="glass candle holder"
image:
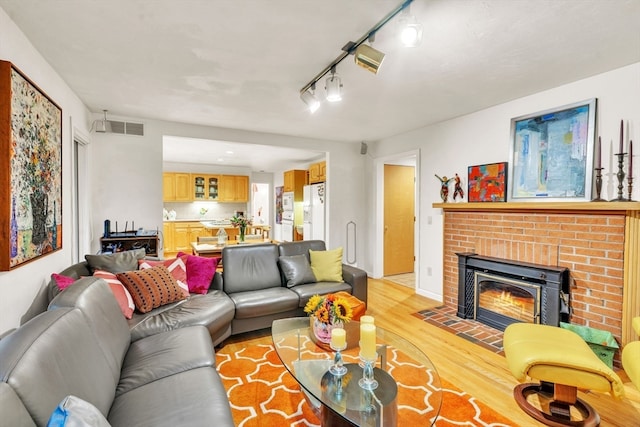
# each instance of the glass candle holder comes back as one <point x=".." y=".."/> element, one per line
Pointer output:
<point x="338" y="368"/>
<point x="368" y="382"/>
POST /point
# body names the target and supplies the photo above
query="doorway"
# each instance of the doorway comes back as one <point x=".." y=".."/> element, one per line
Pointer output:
<point x="399" y="219"/>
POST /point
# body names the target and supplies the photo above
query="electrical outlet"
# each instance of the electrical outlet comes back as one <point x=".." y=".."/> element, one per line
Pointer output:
<point x="429" y="271"/>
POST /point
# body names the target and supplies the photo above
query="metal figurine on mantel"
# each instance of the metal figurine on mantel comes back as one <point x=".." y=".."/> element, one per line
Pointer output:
<point x="444" y="188"/>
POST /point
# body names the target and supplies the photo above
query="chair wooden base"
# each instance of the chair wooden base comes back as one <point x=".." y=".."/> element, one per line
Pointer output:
<point x="562" y="399"/>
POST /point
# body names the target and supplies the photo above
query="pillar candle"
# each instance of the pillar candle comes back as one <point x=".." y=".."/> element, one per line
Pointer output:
<point x="367" y="319"/>
<point x="368" y="341"/>
<point x="338" y="338"/>
<point x="621" y="136"/>
<point x="630" y="159"/>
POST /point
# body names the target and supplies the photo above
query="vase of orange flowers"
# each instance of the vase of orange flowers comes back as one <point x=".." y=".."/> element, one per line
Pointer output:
<point x="326" y="313"/>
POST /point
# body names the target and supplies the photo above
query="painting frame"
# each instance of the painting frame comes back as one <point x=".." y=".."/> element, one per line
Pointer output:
<point x="30" y="170"/>
<point x="552" y="151"/>
<point x="488" y="182"/>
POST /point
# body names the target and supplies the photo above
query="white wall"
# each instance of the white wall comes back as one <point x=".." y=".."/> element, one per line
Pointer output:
<point x="484" y="137"/>
<point x="128" y="176"/>
<point x="19" y="286"/>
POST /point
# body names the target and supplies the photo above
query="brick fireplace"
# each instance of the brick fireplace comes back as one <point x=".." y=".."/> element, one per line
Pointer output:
<point x="598" y="242"/>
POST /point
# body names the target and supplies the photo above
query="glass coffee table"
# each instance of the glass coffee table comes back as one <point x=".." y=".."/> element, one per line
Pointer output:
<point x="408" y="393"/>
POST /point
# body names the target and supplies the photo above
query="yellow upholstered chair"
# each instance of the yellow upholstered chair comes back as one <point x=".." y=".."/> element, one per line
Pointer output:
<point x="563" y="363"/>
<point x="631" y="356"/>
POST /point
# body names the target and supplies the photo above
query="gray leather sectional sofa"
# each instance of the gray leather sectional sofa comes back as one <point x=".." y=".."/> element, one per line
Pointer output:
<point x="157" y="368"/>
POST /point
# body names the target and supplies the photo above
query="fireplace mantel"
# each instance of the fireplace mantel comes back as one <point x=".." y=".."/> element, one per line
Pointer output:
<point x="621" y="207"/>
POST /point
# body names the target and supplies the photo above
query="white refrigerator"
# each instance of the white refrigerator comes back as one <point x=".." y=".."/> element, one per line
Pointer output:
<point x="313" y="208"/>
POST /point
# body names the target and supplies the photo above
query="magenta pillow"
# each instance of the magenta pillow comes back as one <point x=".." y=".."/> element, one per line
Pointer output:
<point x="63" y="282"/>
<point x="200" y="272"/>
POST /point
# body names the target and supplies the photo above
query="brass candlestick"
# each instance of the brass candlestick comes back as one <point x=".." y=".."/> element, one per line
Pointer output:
<point x="620" y="176"/>
<point x="598" y="185"/>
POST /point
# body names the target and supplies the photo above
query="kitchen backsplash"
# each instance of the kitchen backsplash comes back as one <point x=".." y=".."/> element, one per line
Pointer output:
<point x="214" y="210"/>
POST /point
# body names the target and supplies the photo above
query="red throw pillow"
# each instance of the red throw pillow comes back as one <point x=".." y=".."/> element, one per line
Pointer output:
<point x="125" y="301"/>
<point x="62" y="282"/>
<point x="176" y="266"/>
<point x="200" y="272"/>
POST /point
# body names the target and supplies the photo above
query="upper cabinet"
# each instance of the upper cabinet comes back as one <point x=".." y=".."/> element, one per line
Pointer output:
<point x="185" y="187"/>
<point x="176" y="187"/>
<point x="205" y="187"/>
<point x="318" y="172"/>
<point x="234" y="188"/>
<point x="294" y="180"/>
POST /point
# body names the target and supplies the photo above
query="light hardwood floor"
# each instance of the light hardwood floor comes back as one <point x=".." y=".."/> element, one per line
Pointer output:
<point x="478" y="371"/>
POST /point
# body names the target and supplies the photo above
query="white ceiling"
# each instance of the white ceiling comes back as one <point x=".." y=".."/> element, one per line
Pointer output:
<point x="240" y="64"/>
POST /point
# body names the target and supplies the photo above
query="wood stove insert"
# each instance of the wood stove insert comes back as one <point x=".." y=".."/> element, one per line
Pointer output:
<point x="498" y="292"/>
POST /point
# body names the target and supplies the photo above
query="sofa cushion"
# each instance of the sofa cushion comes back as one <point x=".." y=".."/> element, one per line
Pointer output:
<point x="176" y="267"/>
<point x="327" y="265"/>
<point x="264" y="302"/>
<point x="54" y="355"/>
<point x="151" y="288"/>
<point x="196" y="397"/>
<point x="164" y="354"/>
<point x="200" y="272"/>
<point x="75" y="412"/>
<point x="116" y="263"/>
<point x="308" y="290"/>
<point x="94" y="298"/>
<point x="296" y="270"/>
<point x="250" y="268"/>
<point x="214" y="311"/>
<point x="13" y="412"/>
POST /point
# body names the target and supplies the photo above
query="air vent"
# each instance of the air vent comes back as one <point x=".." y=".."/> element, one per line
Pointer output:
<point x="127" y="128"/>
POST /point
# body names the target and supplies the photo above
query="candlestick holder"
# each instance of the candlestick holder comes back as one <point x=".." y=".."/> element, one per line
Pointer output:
<point x="629" y="187"/>
<point x="338" y="369"/>
<point x="598" y="185"/>
<point x="620" y="175"/>
<point x="368" y="382"/>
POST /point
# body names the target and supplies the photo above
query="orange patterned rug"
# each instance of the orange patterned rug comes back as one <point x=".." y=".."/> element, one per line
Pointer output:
<point x="263" y="393"/>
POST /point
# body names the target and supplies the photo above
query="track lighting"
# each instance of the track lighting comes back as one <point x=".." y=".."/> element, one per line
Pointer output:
<point x="310" y="99"/>
<point x="365" y="56"/>
<point x="368" y="58"/>
<point x="333" y="87"/>
<point x="410" y="29"/>
<point x="102" y="126"/>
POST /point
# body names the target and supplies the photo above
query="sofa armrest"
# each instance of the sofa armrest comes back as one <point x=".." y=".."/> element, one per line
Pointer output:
<point x="357" y="278"/>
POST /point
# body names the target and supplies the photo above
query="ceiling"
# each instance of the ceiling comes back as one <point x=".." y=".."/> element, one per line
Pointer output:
<point x="240" y="64"/>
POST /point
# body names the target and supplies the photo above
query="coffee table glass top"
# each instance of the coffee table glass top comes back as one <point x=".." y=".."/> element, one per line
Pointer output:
<point x="409" y="390"/>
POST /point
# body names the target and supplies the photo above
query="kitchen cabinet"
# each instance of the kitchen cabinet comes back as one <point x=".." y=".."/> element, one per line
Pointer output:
<point x="205" y="187"/>
<point x="176" y="187"/>
<point x="318" y="172"/>
<point x="234" y="188"/>
<point x="294" y="180"/>
<point x="167" y="234"/>
<point x="183" y="233"/>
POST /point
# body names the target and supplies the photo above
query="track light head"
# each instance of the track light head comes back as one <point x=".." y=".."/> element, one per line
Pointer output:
<point x="369" y="58"/>
<point x="310" y="100"/>
<point x="410" y="31"/>
<point x="333" y="86"/>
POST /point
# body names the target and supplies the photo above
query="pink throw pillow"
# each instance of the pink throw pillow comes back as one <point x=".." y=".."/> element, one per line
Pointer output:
<point x="125" y="301"/>
<point x="63" y="282"/>
<point x="200" y="272"/>
<point x="176" y="266"/>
